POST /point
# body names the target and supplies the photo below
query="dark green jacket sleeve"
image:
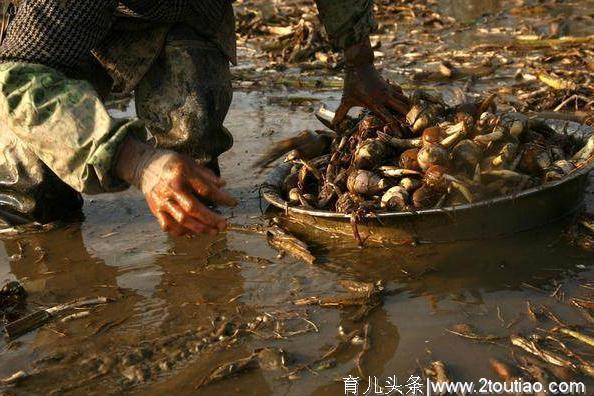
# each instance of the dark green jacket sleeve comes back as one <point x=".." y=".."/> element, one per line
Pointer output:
<point x="348" y="21"/>
<point x="64" y="123"/>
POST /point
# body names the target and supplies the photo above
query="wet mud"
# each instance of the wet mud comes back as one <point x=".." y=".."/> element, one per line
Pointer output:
<point x="183" y="313"/>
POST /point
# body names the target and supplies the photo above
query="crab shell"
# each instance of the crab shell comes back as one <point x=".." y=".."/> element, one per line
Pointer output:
<point x="293" y="195"/>
<point x="559" y="170"/>
<point x="434" y="177"/>
<point x="395" y="198"/>
<point x="517" y="128"/>
<point x="506" y="154"/>
<point x="432" y="154"/>
<point x="365" y="183"/>
<point x="308" y="200"/>
<point x="370" y="122"/>
<point x="557" y="153"/>
<point x="487" y="120"/>
<point x="291" y="181"/>
<point x="535" y="159"/>
<point x="408" y="159"/>
<point x="348" y="202"/>
<point x="423" y="116"/>
<point x="432" y="135"/>
<point x="410" y="184"/>
<point x="370" y="154"/>
<point x="326" y="195"/>
<point x="425" y="197"/>
<point x="304" y="176"/>
<point x="466" y="154"/>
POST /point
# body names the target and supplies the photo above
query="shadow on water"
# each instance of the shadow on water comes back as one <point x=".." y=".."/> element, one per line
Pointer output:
<point x="162" y="286"/>
<point x="469" y="11"/>
<point x="537" y="19"/>
<point x="187" y="283"/>
<point x="541" y="258"/>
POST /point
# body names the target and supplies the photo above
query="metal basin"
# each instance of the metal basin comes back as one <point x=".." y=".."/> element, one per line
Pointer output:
<point x="553" y="202"/>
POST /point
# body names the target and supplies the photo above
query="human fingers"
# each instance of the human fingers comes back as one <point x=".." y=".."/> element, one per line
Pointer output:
<point x="209" y="175"/>
<point x="169" y="225"/>
<point x="196" y="209"/>
<point x="186" y="220"/>
<point x="208" y="190"/>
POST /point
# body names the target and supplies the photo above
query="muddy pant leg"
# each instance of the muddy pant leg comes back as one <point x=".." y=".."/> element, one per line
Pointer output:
<point x="29" y="190"/>
<point x="185" y="96"/>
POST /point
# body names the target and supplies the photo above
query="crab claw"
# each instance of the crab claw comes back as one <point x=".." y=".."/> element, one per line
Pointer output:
<point x="307" y="145"/>
<point x="399" y="142"/>
<point x="585" y="153"/>
<point x="326" y="117"/>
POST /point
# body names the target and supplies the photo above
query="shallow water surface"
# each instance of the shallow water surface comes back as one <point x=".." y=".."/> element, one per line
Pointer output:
<point x="163" y="286"/>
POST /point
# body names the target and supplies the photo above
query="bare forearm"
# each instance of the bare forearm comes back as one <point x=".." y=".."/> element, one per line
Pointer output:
<point x="132" y="154"/>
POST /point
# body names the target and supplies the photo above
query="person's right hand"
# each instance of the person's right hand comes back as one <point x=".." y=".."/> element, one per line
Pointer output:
<point x="175" y="187"/>
<point x="365" y="87"/>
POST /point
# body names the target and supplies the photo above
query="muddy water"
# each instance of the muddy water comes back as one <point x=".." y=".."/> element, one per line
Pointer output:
<point x="162" y="285"/>
<point x="564" y="16"/>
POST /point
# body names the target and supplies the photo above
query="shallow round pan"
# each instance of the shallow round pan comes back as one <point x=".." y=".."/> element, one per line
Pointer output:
<point x="552" y="202"/>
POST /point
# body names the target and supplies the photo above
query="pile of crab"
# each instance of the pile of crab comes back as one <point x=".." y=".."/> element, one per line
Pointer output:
<point x="439" y="156"/>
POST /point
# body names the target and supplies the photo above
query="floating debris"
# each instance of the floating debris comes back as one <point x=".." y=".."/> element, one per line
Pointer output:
<point x="504" y="371"/>
<point x="584" y="338"/>
<point x="76" y="315"/>
<point x="365" y="347"/>
<point x="466" y="331"/>
<point x="15" y="378"/>
<point x="365" y="295"/>
<point x="229" y="369"/>
<point x="282" y="240"/>
<point x="39" y="318"/>
<point x="438" y="371"/>
<point x="268" y="359"/>
<point x="533" y="348"/>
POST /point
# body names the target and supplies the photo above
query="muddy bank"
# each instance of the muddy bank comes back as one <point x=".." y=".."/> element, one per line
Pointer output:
<point x="179" y="308"/>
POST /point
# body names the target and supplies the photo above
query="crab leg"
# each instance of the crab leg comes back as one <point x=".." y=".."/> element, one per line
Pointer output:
<point x="505" y="174"/>
<point x="497" y="134"/>
<point x="314" y="171"/>
<point x="393" y="171"/>
<point x="463" y="190"/>
<point x="399" y="142"/>
<point x="460" y="186"/>
<point x="585" y="153"/>
<point x="454" y="138"/>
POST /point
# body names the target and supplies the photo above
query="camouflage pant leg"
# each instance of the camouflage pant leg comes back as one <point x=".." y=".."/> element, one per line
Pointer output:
<point x="29" y="190"/>
<point x="185" y="96"/>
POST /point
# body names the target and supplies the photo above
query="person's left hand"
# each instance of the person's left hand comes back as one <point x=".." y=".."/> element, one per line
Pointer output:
<point x="365" y="87"/>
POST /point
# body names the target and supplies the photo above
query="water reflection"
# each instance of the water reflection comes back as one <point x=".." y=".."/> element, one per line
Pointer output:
<point x="165" y="285"/>
<point x="541" y="258"/>
<point x="468" y="11"/>
<point x="190" y="281"/>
